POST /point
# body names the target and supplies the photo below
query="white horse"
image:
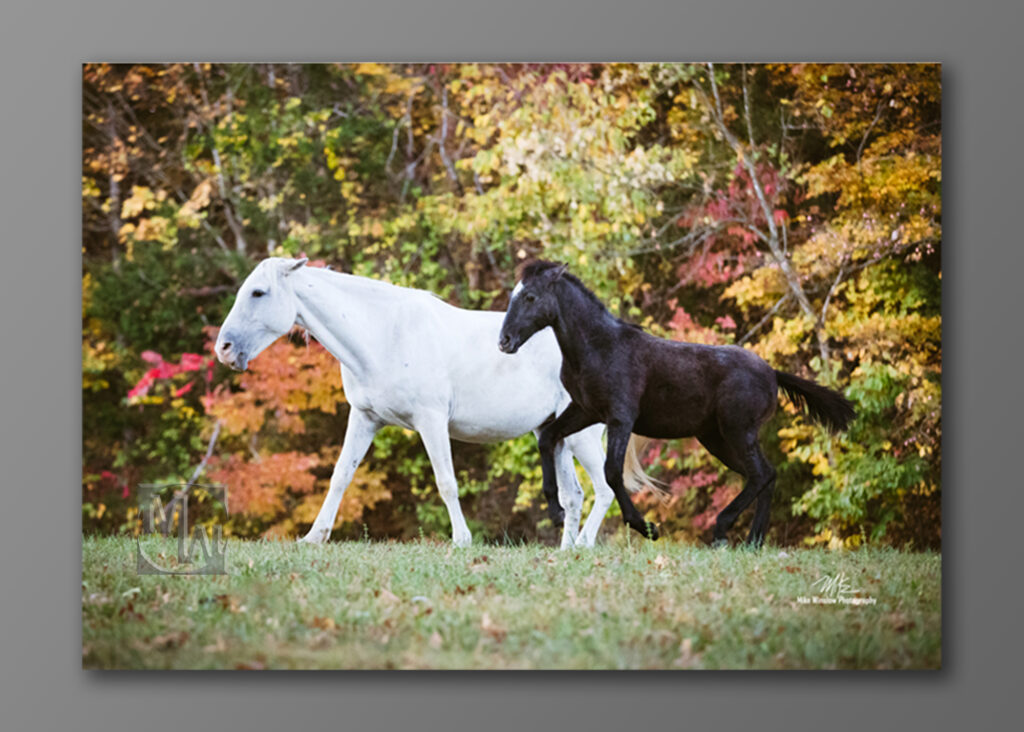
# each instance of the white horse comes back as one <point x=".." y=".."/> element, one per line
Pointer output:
<point x="410" y="359"/>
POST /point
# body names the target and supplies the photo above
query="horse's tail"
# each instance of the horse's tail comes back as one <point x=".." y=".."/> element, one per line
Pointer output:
<point x="633" y="474"/>
<point x="826" y="406"/>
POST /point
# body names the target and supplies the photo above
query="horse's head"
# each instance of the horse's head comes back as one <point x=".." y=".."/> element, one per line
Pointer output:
<point x="533" y="305"/>
<point x="265" y="309"/>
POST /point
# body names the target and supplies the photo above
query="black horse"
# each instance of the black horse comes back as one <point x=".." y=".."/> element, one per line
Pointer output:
<point x="634" y="382"/>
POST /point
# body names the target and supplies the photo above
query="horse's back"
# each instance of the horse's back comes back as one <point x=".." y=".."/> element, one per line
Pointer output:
<point x="688" y="387"/>
<point x="496" y="396"/>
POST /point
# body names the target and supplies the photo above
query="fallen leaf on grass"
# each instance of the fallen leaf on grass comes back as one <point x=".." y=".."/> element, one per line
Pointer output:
<point x="387" y="596"/>
<point x="900" y="622"/>
<point x="229" y="603"/>
<point x="687" y="658"/>
<point x="218" y="646"/>
<point x="128" y="612"/>
<point x="163" y="642"/>
<point x="323" y="623"/>
<point x="171" y="640"/>
<point x="435" y="641"/>
<point x="491" y="628"/>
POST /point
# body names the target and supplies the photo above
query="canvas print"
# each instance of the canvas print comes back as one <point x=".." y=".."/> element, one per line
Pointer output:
<point x="511" y="366"/>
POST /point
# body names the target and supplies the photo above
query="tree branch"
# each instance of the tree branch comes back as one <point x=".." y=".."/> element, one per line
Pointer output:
<point x="179" y="496"/>
<point x="772" y="238"/>
<point x="863" y="141"/>
<point x="241" y="246"/>
<point x="768" y="316"/>
<point x="444" y="135"/>
<point x="746" y="106"/>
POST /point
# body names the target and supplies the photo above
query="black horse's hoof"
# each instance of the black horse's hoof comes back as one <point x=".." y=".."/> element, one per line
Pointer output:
<point x="719" y="543"/>
<point x="557" y="517"/>
<point x="646" y="529"/>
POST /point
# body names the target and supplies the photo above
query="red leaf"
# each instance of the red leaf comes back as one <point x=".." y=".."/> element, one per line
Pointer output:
<point x="191" y="361"/>
<point x="143" y="386"/>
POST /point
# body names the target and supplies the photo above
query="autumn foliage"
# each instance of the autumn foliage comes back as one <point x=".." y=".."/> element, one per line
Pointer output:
<point x="793" y="209"/>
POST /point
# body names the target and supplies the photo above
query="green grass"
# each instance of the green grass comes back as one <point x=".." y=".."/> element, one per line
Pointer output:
<point x="628" y="605"/>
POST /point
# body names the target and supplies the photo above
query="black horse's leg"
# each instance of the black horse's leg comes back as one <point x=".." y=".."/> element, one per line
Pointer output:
<point x="759" y="474"/>
<point x="570" y="421"/>
<point x="762" y="513"/>
<point x="717" y="445"/>
<point x="618" y="442"/>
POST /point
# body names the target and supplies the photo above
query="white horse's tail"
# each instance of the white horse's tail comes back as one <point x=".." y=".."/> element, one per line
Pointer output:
<point x="633" y="474"/>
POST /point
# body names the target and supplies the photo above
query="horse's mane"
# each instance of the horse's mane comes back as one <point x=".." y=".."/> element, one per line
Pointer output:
<point x="537" y="267"/>
<point x="369" y="284"/>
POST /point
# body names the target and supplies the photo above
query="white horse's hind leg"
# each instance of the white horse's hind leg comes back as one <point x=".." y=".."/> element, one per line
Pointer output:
<point x="358" y="436"/>
<point x="570" y="494"/>
<point x="586" y="446"/>
<point x="438" y="443"/>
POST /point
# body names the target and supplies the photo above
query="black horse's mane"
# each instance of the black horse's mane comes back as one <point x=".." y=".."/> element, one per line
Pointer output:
<point x="535" y="268"/>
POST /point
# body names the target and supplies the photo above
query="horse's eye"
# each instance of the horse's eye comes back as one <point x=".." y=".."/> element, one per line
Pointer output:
<point x="258" y="293"/>
<point x="529" y="297"/>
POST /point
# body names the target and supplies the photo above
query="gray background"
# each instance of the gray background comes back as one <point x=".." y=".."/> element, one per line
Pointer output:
<point x="42" y="686"/>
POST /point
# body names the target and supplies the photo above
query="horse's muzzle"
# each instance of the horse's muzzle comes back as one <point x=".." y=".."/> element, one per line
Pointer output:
<point x="236" y="360"/>
<point x="505" y="345"/>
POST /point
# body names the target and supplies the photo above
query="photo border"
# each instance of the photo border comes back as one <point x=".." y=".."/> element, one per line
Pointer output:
<point x="44" y="686"/>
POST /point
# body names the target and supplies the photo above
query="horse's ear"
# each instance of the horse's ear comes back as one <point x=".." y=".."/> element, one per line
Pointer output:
<point x="294" y="264"/>
<point x="559" y="271"/>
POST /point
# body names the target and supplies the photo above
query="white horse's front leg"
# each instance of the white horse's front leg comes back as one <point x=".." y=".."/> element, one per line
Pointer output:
<point x="586" y="446"/>
<point x="570" y="494"/>
<point x="358" y="436"/>
<point x="434" y="432"/>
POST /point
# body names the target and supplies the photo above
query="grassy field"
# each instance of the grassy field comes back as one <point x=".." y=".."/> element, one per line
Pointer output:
<point x="628" y="605"/>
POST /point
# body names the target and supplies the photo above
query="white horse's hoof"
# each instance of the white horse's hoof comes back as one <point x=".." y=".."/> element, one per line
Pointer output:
<point x="316" y="536"/>
<point x="463" y="540"/>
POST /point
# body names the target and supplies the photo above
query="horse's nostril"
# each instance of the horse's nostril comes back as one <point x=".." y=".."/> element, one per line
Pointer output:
<point x="226" y="346"/>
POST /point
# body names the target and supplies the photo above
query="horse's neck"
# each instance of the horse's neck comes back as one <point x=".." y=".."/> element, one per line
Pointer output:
<point x="581" y="326"/>
<point x="346" y="314"/>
